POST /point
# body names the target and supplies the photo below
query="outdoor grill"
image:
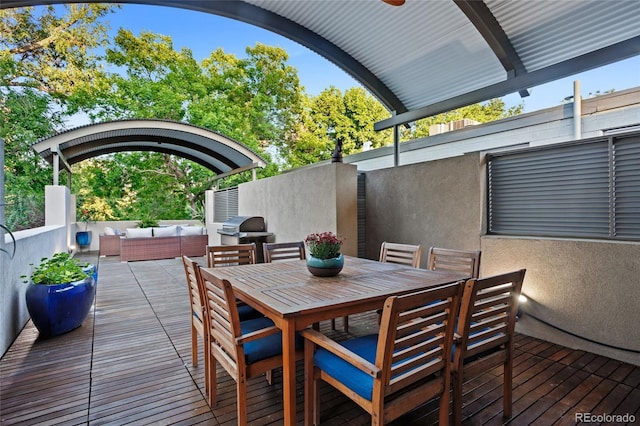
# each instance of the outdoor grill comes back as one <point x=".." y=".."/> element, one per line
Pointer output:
<point x="244" y="230"/>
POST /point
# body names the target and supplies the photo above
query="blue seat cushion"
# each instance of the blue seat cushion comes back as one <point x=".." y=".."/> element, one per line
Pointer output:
<point x="266" y="347"/>
<point x="477" y="356"/>
<point x="352" y="377"/>
<point x="246" y="312"/>
<point x="195" y="314"/>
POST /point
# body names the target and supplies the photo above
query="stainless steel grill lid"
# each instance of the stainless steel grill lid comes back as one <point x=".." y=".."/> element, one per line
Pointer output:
<point x="243" y="225"/>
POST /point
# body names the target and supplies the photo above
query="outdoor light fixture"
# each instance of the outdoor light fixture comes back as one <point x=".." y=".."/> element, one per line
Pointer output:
<point x="522" y="299"/>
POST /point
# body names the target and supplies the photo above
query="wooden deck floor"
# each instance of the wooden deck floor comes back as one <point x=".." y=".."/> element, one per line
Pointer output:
<point x="130" y="363"/>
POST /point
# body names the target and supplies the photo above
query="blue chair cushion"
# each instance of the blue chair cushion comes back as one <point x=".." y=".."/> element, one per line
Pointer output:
<point x="266" y="347"/>
<point x="352" y="377"/>
<point x="477" y="356"/>
<point x="246" y="312"/>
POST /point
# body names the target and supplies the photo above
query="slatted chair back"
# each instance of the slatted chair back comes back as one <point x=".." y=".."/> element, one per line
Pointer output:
<point x="198" y="313"/>
<point x="230" y="255"/>
<point x="274" y="252"/>
<point x="404" y="254"/>
<point x="404" y="366"/>
<point x="465" y="261"/>
<point x="485" y="333"/>
<point x="244" y="349"/>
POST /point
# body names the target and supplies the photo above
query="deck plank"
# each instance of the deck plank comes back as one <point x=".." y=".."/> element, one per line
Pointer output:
<point x="130" y="362"/>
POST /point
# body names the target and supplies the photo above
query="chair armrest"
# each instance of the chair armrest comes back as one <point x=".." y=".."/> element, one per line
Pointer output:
<point x="340" y="351"/>
<point x="258" y="334"/>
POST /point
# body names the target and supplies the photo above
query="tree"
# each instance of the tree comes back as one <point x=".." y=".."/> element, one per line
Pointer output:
<point x="332" y="117"/>
<point x="44" y="59"/>
<point x="252" y="100"/>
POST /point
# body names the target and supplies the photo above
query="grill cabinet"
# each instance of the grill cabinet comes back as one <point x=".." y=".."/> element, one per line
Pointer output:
<point x="245" y="230"/>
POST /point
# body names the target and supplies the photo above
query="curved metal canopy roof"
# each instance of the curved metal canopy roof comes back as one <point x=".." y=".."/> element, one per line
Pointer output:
<point x="217" y="152"/>
<point x="431" y="56"/>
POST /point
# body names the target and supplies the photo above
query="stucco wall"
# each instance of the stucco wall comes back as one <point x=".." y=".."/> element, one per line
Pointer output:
<point x="433" y="204"/>
<point x="306" y="200"/>
<point x="589" y="288"/>
<point x="31" y="246"/>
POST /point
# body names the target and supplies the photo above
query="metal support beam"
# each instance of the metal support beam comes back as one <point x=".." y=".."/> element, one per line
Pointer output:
<point x="487" y="25"/>
<point x="57" y="159"/>
<point x="597" y="58"/>
<point x="396" y="146"/>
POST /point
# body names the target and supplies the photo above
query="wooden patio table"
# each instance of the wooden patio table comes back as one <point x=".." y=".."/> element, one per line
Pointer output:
<point x="287" y="293"/>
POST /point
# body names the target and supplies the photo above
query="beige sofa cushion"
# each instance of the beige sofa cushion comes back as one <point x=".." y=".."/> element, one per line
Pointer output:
<point x="166" y="231"/>
<point x="191" y="230"/>
<point x="139" y="232"/>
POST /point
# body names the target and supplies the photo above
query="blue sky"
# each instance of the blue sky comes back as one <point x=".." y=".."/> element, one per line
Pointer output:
<point x="203" y="33"/>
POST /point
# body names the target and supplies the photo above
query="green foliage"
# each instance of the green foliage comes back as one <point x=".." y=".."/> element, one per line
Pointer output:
<point x="482" y="112"/>
<point x="44" y="59"/>
<point x="147" y="223"/>
<point x="58" y="269"/>
<point x="27" y="116"/>
<point x="331" y="117"/>
<point x="51" y="53"/>
<point x="49" y="70"/>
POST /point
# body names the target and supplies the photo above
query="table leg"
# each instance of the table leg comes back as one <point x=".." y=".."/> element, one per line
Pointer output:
<point x="289" y="372"/>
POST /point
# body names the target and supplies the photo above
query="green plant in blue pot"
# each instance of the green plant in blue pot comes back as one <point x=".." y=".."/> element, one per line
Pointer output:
<point x="325" y="258"/>
<point x="60" y="293"/>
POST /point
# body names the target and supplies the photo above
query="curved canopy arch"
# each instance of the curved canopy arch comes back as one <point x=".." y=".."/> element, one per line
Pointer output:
<point x="431" y="56"/>
<point x="212" y="150"/>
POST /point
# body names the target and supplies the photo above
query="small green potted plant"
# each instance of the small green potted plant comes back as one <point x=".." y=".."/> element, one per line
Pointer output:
<point x="83" y="238"/>
<point x="60" y="292"/>
<point x="325" y="259"/>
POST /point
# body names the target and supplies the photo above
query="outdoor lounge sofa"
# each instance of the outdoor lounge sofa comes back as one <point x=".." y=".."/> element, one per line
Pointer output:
<point x="155" y="243"/>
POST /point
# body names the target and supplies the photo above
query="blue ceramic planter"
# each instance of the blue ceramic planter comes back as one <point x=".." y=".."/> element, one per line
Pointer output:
<point x="59" y="308"/>
<point x="83" y="238"/>
<point x="93" y="271"/>
<point x="325" y="267"/>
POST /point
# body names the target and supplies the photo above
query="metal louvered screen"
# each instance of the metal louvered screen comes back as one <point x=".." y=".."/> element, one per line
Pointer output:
<point x="587" y="190"/>
<point x="225" y="204"/>
<point x="626" y="199"/>
<point x="362" y="214"/>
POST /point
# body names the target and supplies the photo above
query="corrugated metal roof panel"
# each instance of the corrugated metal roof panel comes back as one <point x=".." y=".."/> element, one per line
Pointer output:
<point x="418" y="50"/>
<point x="545" y="33"/>
<point x="432" y="56"/>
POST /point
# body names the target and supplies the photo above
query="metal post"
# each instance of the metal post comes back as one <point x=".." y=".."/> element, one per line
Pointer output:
<point x="396" y="145"/>
<point x="577" y="111"/>
<point x="56" y="168"/>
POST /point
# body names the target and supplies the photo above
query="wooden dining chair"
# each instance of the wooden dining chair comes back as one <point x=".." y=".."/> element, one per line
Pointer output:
<point x="232" y="255"/>
<point x="484" y="335"/>
<point x="198" y="314"/>
<point x="395" y="371"/>
<point x="465" y="261"/>
<point x="229" y="255"/>
<point x="274" y="252"/>
<point x="244" y="349"/>
<point x="404" y="254"/>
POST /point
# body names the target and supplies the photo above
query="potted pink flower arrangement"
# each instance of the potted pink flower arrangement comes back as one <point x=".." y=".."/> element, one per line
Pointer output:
<point x="325" y="258"/>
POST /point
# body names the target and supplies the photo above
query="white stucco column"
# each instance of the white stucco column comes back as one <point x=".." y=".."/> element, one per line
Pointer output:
<point x="57" y="208"/>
